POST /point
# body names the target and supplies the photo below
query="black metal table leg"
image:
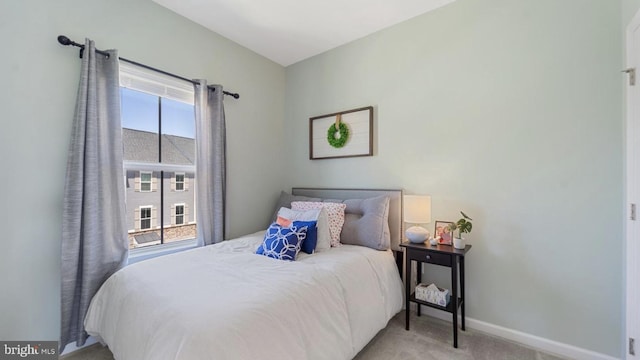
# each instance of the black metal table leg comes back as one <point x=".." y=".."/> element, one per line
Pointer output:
<point x="418" y="281"/>
<point x="462" y="289"/>
<point x="407" y="289"/>
<point x="454" y="294"/>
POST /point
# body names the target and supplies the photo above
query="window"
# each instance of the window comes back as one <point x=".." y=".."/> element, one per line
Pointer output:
<point x="145" y="181"/>
<point x="180" y="217"/>
<point x="158" y="135"/>
<point x="145" y="217"/>
<point x="179" y="181"/>
<point x="179" y="214"/>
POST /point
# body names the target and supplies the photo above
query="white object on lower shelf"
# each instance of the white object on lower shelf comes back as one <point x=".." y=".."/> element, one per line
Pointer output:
<point x="432" y="294"/>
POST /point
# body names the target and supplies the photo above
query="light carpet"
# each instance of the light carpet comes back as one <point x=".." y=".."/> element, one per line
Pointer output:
<point x="428" y="339"/>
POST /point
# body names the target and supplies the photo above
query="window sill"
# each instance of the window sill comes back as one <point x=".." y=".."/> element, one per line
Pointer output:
<point x="140" y="254"/>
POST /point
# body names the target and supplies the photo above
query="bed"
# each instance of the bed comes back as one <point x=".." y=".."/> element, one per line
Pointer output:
<point x="225" y="302"/>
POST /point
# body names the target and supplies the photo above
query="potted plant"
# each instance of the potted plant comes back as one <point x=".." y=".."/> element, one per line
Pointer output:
<point x="463" y="226"/>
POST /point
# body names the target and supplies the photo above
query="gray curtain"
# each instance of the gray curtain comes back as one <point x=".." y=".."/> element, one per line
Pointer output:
<point x="210" y="163"/>
<point x="94" y="235"/>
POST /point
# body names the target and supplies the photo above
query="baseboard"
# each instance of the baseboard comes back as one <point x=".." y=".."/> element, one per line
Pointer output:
<point x="533" y="341"/>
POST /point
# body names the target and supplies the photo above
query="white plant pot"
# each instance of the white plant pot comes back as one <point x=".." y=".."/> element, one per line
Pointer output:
<point x="459" y="243"/>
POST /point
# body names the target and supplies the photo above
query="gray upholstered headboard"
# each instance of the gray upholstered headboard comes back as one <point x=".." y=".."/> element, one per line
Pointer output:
<point x="395" y="204"/>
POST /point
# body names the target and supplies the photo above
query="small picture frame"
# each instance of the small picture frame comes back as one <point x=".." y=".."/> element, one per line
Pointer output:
<point x="443" y="232"/>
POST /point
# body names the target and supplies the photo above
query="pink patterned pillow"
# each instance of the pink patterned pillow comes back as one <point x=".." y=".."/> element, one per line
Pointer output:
<point x="335" y="212"/>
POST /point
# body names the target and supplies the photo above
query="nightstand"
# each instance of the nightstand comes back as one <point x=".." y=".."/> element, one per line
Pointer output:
<point x="443" y="255"/>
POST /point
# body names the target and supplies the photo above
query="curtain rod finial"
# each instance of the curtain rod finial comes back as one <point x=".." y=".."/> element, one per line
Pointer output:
<point x="64" y="40"/>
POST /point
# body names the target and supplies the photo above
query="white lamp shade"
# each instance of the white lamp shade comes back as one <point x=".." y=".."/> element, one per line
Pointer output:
<point x="417" y="209"/>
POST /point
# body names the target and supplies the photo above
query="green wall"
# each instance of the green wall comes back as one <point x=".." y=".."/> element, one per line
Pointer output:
<point x="37" y="101"/>
<point x="511" y="111"/>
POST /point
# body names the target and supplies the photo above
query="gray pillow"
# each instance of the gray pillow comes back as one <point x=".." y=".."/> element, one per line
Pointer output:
<point x="286" y="199"/>
<point x="366" y="223"/>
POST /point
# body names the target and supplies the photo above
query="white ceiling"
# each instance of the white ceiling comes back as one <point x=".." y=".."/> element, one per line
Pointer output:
<point x="288" y="31"/>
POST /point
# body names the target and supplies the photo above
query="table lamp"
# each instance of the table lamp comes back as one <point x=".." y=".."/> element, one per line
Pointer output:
<point x="417" y="210"/>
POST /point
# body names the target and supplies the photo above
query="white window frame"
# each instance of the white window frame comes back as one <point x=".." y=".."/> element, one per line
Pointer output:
<point x="144" y="182"/>
<point x="181" y="215"/>
<point x="184" y="178"/>
<point x="150" y="218"/>
<point x="154" y="83"/>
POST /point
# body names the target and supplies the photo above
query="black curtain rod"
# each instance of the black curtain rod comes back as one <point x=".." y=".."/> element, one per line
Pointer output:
<point x="66" y="41"/>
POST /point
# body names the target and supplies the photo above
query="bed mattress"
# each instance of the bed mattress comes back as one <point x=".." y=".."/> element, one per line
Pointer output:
<point x="224" y="302"/>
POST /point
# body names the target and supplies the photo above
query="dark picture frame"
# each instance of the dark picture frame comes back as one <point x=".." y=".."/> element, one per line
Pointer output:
<point x="360" y="142"/>
<point x="442" y="229"/>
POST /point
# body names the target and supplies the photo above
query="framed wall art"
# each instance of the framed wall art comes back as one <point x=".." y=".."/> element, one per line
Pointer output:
<point x="342" y="134"/>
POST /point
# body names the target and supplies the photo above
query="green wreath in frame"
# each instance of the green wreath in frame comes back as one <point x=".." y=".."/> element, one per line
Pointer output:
<point x="338" y="142"/>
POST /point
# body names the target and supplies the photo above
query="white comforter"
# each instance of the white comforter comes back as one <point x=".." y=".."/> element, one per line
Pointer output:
<point x="224" y="302"/>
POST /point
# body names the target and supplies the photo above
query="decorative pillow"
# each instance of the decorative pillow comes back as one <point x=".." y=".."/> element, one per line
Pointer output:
<point x="335" y="213"/>
<point x="309" y="244"/>
<point x="319" y="215"/>
<point x="284" y="222"/>
<point x="367" y="223"/>
<point x="282" y="243"/>
<point x="286" y="199"/>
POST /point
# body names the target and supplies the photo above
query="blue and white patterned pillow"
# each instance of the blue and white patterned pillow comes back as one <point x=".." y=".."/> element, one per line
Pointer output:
<point x="281" y="242"/>
<point x="309" y="244"/>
